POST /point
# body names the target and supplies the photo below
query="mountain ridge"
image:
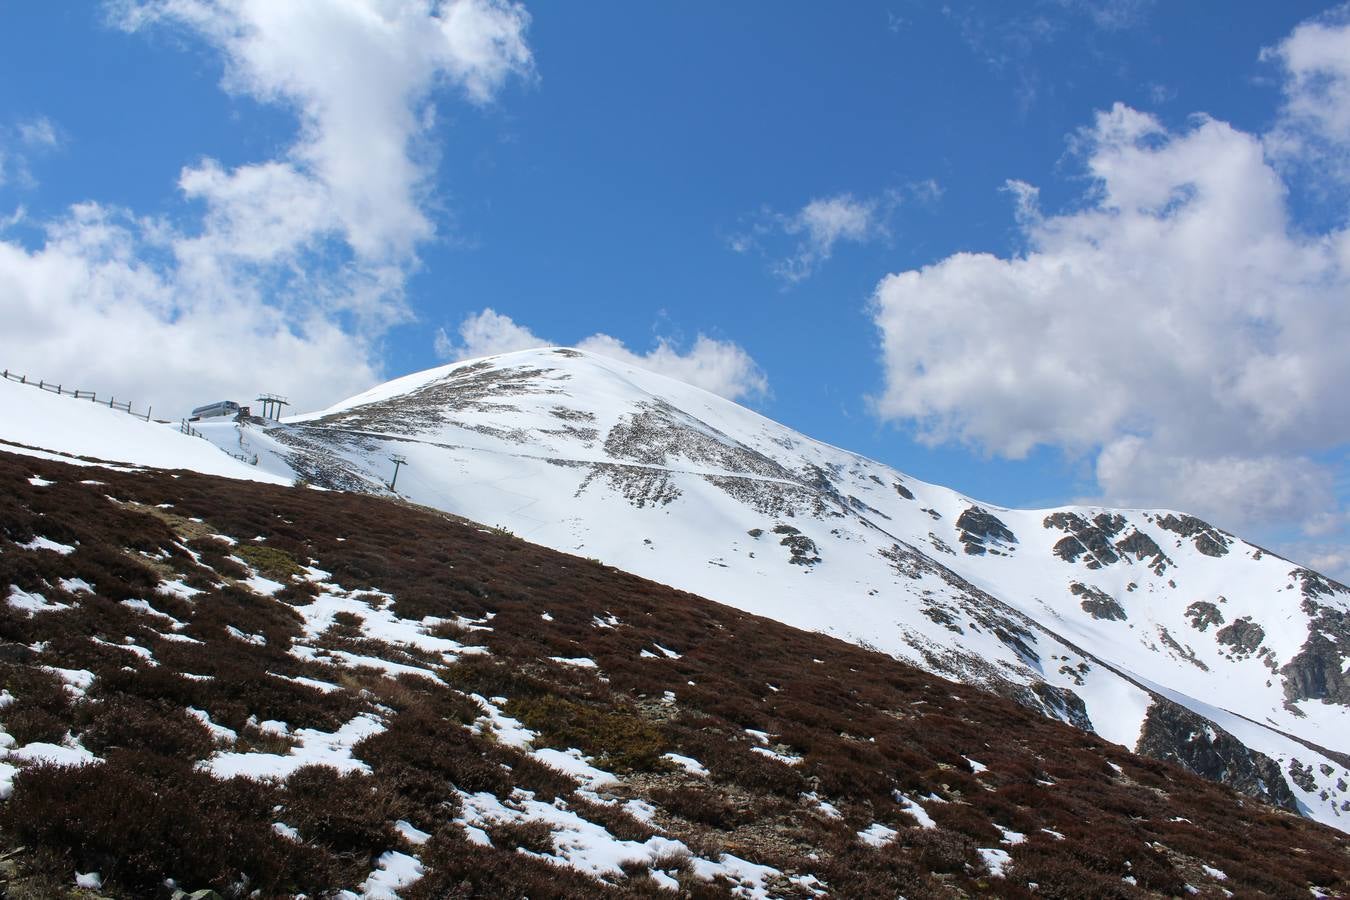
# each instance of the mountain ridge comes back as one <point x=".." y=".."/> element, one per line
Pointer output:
<point x="1098" y="617"/>
<point x="254" y="688"/>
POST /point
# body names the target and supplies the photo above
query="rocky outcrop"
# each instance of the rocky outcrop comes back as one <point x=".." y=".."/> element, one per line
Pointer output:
<point x="804" y="550"/>
<point x="1173" y="733"/>
<point x="1096" y="540"/>
<point x="1244" y="636"/>
<point x="1206" y="538"/>
<point x="1097" y="603"/>
<point x="1317" y="671"/>
<point x="1203" y="614"/>
<point x="1142" y="547"/>
<point x="1087" y="538"/>
<point x="979" y="529"/>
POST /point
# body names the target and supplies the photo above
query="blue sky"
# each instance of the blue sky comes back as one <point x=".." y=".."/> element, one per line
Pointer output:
<point x="784" y="202"/>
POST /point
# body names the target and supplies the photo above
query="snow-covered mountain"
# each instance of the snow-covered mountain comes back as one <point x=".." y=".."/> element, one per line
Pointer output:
<point x="1151" y="628"/>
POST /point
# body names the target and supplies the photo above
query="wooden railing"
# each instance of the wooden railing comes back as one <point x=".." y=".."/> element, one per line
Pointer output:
<point x="112" y="403"/>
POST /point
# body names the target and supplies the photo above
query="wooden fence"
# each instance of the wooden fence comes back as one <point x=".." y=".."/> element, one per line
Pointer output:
<point x="111" y="402"/>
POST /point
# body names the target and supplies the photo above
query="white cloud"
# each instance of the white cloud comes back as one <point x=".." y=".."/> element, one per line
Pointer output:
<point x="1247" y="489"/>
<point x="1329" y="560"/>
<point x="360" y="120"/>
<point x="487" y="333"/>
<point x="19" y="144"/>
<point x="297" y="264"/>
<point x="816" y="228"/>
<point x="721" y="367"/>
<point x="1315" y="120"/>
<point x="88" y="310"/>
<point x="1176" y="324"/>
<point x="39" y="133"/>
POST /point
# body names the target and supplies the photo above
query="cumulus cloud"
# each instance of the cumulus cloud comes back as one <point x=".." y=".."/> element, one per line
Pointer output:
<point x="90" y="310"/>
<point x="487" y="333"/>
<point x="358" y="120"/>
<point x="721" y="367"/>
<point x="1175" y="324"/>
<point x="1315" y="119"/>
<point x="285" y="272"/>
<point x="813" y="231"/>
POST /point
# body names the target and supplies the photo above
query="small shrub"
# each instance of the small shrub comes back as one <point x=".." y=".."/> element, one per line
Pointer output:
<point x="272" y="562"/>
<point x="698" y="804"/>
<point x="535" y="836"/>
<point x="155" y="726"/>
<point x="349" y="814"/>
<point x="623" y="741"/>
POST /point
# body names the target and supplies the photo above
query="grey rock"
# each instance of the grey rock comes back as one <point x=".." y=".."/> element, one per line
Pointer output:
<point x="1173" y="733"/>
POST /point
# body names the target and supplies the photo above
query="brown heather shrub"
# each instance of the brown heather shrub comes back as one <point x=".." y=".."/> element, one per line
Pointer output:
<point x="701" y="805"/>
<point x="614" y="819"/>
<point x="351" y="815"/>
<point x="939" y="849"/>
<point x="28" y="724"/>
<point x="535" y="836"/>
<point x="137" y="821"/>
<point x="968" y="820"/>
<point x="866" y="724"/>
<point x="157" y="726"/>
<point x="458" y="869"/>
<point x="623" y="741"/>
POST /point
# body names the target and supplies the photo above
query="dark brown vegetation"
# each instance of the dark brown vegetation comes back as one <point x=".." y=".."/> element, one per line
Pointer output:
<point x="864" y="725"/>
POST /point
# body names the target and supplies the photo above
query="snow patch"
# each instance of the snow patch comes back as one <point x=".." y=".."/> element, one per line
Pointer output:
<point x="995" y="860"/>
<point x="42" y="543"/>
<point x="314" y="748"/>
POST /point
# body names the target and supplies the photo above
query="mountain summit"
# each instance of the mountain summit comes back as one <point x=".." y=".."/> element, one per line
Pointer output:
<point x="1151" y="628"/>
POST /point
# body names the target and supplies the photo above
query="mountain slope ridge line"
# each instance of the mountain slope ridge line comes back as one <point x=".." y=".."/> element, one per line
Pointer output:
<point x="1052" y="607"/>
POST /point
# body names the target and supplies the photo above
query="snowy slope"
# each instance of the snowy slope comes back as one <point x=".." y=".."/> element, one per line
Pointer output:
<point x="41" y="423"/>
<point x="1118" y="621"/>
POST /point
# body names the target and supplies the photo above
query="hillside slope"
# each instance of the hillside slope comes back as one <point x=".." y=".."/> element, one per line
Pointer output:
<point x="1153" y="629"/>
<point x="35" y="421"/>
<point x="254" y="688"/>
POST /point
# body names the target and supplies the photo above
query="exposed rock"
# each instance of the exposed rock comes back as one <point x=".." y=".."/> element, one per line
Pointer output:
<point x="1302" y="775"/>
<point x="639" y="485"/>
<point x="862" y="507"/>
<point x="1172" y="732"/>
<point x="1203" y="614"/>
<point x="903" y="491"/>
<point x="1206" y="538"/>
<point x="906" y="561"/>
<point x="1142" y="547"/>
<point x="940" y="545"/>
<point x="1244" y="636"/>
<point x="1185" y="652"/>
<point x="569" y="414"/>
<point x="804" y="550"/>
<point x="1091" y="538"/>
<point x="1317" y="671"/>
<point x="1314" y="585"/>
<point x="978" y="527"/>
<point x="658" y="434"/>
<point x="1062" y="703"/>
<point x="1097" y="603"/>
<point x="942" y="617"/>
<point x="481" y="387"/>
